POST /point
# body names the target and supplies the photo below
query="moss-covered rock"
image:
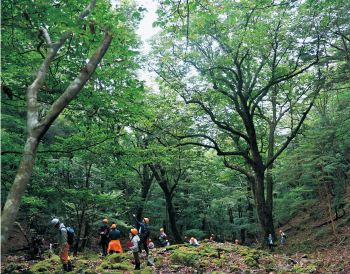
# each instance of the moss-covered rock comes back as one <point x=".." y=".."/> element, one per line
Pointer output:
<point x="136" y="271"/>
<point x="100" y="269"/>
<point x="90" y="271"/>
<point x="213" y="255"/>
<point x="204" y="263"/>
<point x="244" y="253"/>
<point x="41" y="267"/>
<point x="178" y="257"/>
<point x="114" y="258"/>
<point x="171" y="247"/>
<point x="10" y="268"/>
<point x="217" y="262"/>
<point x="104" y="265"/>
<point x="127" y="256"/>
<point x="250" y="261"/>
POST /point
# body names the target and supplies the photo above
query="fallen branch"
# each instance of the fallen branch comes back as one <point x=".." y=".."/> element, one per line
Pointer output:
<point x="324" y="223"/>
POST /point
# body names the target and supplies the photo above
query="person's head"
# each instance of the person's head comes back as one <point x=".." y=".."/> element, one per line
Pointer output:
<point x="185" y="237"/>
<point x="150" y="240"/>
<point x="55" y="222"/>
<point x="105" y="222"/>
<point x="161" y="230"/>
<point x="134" y="231"/>
<point x="113" y="226"/>
<point x="192" y="239"/>
<point x="236" y="241"/>
<point x="211" y="238"/>
<point x="212" y="235"/>
<point x="280" y="231"/>
<point x="270" y="235"/>
<point x="145" y="220"/>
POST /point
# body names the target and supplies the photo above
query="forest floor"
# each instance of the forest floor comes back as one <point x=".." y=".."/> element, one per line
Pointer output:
<point x="310" y="248"/>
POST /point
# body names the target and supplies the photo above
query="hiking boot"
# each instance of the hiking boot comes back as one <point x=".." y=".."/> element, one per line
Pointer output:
<point x="65" y="267"/>
<point x="137" y="267"/>
<point x="70" y="268"/>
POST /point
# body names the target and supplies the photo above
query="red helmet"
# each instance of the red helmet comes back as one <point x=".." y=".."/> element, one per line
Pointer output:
<point x="211" y="238"/>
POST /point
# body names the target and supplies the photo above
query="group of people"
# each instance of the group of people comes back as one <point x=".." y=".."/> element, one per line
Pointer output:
<point x="270" y="239"/>
<point x="110" y="240"/>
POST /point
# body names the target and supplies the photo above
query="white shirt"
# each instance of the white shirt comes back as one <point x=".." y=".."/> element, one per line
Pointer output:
<point x="194" y="242"/>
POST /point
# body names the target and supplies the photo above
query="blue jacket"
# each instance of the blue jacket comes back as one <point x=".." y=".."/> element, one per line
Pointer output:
<point x="114" y="234"/>
<point x="105" y="230"/>
<point x="270" y="240"/>
<point x="142" y="225"/>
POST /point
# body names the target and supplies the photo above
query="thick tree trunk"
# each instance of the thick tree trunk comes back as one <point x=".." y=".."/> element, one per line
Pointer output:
<point x="172" y="218"/>
<point x="127" y="199"/>
<point x="146" y="185"/>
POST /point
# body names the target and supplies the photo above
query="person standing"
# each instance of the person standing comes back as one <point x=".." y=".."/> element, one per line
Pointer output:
<point x="64" y="246"/>
<point x="270" y="242"/>
<point x="135" y="240"/>
<point x="144" y="233"/>
<point x="114" y="243"/>
<point x="104" y="231"/>
<point x="283" y="237"/>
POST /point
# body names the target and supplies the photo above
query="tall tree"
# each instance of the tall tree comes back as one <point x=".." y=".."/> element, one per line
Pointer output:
<point x="245" y="70"/>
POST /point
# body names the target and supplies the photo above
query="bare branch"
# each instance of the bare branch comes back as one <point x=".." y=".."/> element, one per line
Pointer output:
<point x="46" y="35"/>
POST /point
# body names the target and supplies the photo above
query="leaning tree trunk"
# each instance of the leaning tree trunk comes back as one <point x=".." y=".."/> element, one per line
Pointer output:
<point x="37" y="129"/>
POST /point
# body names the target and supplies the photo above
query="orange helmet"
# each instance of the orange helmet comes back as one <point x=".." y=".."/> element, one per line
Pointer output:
<point x="280" y="231"/>
<point x="150" y="240"/>
<point x="146" y="220"/>
<point x="105" y="221"/>
<point x="236" y="241"/>
<point x="192" y="239"/>
<point x="185" y="237"/>
<point x="212" y="234"/>
<point x="162" y="229"/>
<point x="134" y="231"/>
<point x="211" y="238"/>
<point x="114" y="226"/>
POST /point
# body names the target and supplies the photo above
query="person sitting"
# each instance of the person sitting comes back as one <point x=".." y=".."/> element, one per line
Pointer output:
<point x="193" y="242"/>
<point x="114" y="243"/>
<point x="162" y="238"/>
<point x="150" y="244"/>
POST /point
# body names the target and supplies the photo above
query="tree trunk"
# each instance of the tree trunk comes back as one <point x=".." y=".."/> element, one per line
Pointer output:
<point x="36" y="129"/>
<point x="87" y="241"/>
<point x="172" y="218"/>
<point x="146" y="185"/>
<point x="127" y="199"/>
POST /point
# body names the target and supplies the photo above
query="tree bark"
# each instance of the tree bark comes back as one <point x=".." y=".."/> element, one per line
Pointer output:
<point x="36" y="129"/>
<point x="146" y="185"/>
<point x="163" y="183"/>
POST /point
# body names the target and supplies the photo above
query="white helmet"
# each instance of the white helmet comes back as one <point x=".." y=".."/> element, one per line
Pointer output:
<point x="55" y="222"/>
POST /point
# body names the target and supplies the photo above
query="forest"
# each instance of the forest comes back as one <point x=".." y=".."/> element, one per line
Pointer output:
<point x="232" y="125"/>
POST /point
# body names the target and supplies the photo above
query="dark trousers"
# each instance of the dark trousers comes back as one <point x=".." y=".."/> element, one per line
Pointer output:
<point x="270" y="247"/>
<point x="143" y="240"/>
<point x="104" y="243"/>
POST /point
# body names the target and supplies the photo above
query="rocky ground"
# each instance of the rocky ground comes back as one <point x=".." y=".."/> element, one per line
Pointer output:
<point x="209" y="257"/>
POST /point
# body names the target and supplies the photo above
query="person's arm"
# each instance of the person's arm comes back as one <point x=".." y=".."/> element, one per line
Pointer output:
<point x="141" y="224"/>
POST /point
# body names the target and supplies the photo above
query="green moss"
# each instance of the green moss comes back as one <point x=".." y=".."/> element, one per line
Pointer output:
<point x="171" y="247"/>
<point x="41" y="267"/>
<point x="136" y="271"/>
<point x="90" y="271"/>
<point x="100" y="269"/>
<point x="250" y="261"/>
<point x="114" y="258"/>
<point x="247" y="271"/>
<point x="217" y="262"/>
<point x="213" y="255"/>
<point x="127" y="256"/>
<point x="147" y="270"/>
<point x="244" y="253"/>
<point x="234" y="268"/>
<point x="203" y="263"/>
<point x="178" y="258"/>
<point x="104" y="265"/>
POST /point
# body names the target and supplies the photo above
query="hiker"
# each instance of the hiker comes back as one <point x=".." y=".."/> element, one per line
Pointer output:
<point x="270" y="242"/>
<point x="144" y="233"/>
<point x="114" y="243"/>
<point x="212" y="236"/>
<point x="211" y="239"/>
<point x="64" y="246"/>
<point x="185" y="240"/>
<point x="162" y="237"/>
<point x="135" y="239"/>
<point x="283" y="237"/>
<point x="104" y="236"/>
<point x="150" y="244"/>
<point x="238" y="242"/>
<point x="193" y="242"/>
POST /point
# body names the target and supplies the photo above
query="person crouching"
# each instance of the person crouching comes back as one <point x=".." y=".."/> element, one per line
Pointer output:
<point x="114" y="243"/>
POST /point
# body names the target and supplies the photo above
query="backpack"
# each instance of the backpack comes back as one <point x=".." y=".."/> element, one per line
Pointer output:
<point x="147" y="230"/>
<point x="70" y="234"/>
<point x="284" y="235"/>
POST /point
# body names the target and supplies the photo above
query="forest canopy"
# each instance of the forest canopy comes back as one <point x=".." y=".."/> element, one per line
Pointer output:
<point x="244" y="125"/>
